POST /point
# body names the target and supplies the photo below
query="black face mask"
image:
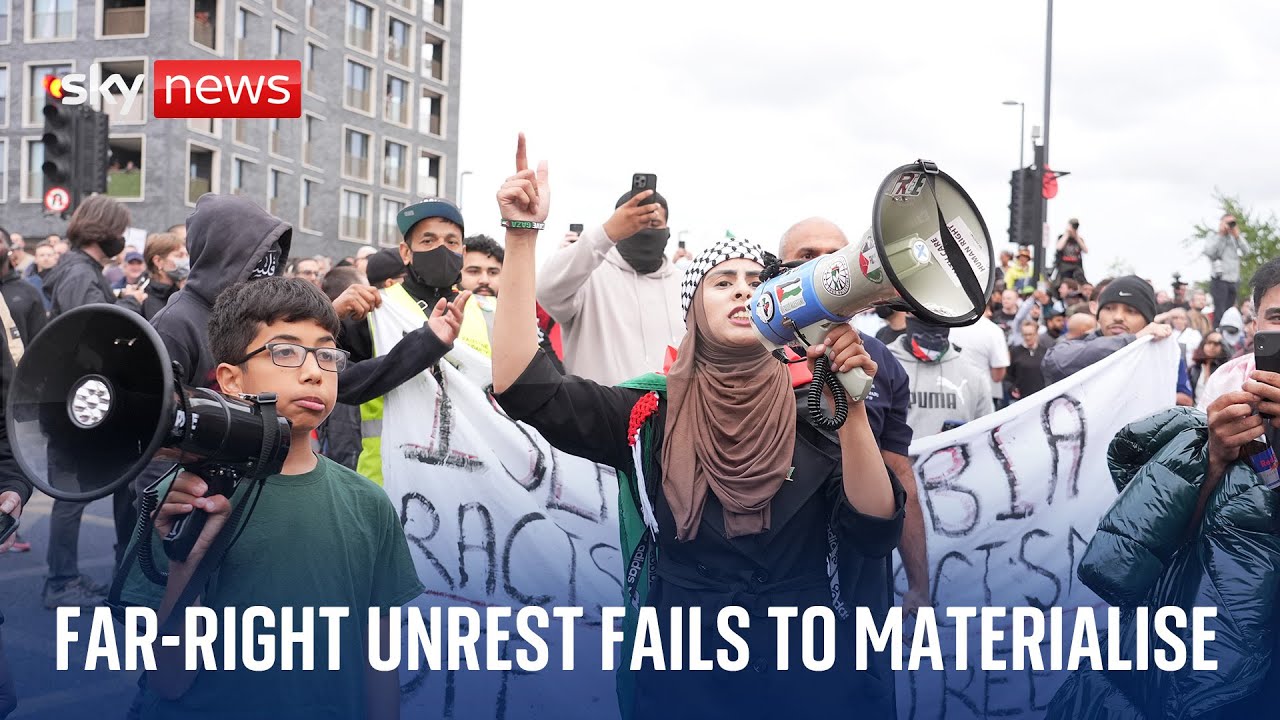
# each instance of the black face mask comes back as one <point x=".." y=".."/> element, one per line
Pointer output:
<point x="643" y="251"/>
<point x="437" y="268"/>
<point x="113" y="247"/>
<point x="928" y="343"/>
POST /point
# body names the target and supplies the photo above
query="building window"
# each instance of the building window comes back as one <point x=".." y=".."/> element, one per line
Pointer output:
<point x="4" y="169"/>
<point x="311" y="16"/>
<point x="241" y="50"/>
<point x="204" y="126"/>
<point x="433" y="56"/>
<point x="395" y="165"/>
<point x="130" y="71"/>
<point x="354" y="223"/>
<point x="4" y="94"/>
<point x="310" y="139"/>
<point x="399" y="43"/>
<point x="437" y="12"/>
<point x="310" y="196"/>
<point x="395" y="104"/>
<point x="124" y="17"/>
<point x="4" y="22"/>
<point x="388" y="231"/>
<point x="359" y="87"/>
<point x="240" y="131"/>
<point x="32" y="175"/>
<point x="35" y="89"/>
<point x="275" y="190"/>
<point x="406" y="5"/>
<point x="51" y="20"/>
<point x="431" y="112"/>
<point x="126" y="172"/>
<point x="204" y="23"/>
<point x="309" y="67"/>
<point x="355" y="155"/>
<point x="360" y="26"/>
<point x="275" y="137"/>
<point x="281" y="7"/>
<point x="240" y="168"/>
<point x="429" y="175"/>
<point x="279" y="42"/>
<point x="201" y="163"/>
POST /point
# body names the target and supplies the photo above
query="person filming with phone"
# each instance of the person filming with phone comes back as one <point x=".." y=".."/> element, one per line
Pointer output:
<point x="1224" y="251"/>
<point x="614" y="293"/>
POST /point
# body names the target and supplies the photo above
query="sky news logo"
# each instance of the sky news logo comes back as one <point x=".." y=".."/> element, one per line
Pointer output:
<point x="193" y="89"/>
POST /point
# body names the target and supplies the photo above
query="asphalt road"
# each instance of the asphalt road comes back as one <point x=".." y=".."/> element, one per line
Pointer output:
<point x="29" y="631"/>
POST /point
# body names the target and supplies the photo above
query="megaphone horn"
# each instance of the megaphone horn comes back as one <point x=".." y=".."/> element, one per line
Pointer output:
<point x="927" y="247"/>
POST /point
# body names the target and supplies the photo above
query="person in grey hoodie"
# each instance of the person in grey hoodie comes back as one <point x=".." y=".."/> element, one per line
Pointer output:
<point x="1224" y="251"/>
<point x="615" y="294"/>
<point x="945" y="391"/>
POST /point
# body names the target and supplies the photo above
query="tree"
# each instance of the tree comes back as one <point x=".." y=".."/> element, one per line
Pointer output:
<point x="1262" y="235"/>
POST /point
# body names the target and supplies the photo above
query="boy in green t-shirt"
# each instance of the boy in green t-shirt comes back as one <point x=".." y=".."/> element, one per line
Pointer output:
<point x="319" y="535"/>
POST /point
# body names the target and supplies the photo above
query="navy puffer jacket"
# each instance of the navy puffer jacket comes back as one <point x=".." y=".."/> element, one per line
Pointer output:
<point x="1144" y="555"/>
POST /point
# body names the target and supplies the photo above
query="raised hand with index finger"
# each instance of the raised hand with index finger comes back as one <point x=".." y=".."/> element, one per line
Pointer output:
<point x="525" y="196"/>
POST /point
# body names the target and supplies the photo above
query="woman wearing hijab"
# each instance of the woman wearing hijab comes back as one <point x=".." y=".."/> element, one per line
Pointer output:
<point x="742" y="503"/>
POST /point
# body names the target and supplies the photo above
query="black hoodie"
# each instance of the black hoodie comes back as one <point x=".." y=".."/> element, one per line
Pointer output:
<point x="226" y="235"/>
<point x="27" y="309"/>
<point x="158" y="295"/>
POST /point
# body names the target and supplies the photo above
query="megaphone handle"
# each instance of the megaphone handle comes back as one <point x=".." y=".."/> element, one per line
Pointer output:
<point x="857" y="382"/>
<point x="182" y="538"/>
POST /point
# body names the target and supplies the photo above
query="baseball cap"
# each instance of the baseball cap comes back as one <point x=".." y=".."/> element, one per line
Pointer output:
<point x="434" y="207"/>
<point x="383" y="266"/>
<point x="134" y="257"/>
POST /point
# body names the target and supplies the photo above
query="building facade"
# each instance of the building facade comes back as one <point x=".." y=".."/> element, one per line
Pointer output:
<point x="378" y="130"/>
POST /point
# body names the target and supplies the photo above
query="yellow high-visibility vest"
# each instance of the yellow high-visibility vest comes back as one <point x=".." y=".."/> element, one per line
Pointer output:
<point x="474" y="332"/>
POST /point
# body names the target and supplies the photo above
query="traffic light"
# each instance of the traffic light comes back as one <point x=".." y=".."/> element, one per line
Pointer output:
<point x="1025" y="207"/>
<point x="59" y="140"/>
<point x="92" y="153"/>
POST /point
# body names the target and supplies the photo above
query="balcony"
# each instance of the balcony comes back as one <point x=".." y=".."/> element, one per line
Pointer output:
<point x="359" y="99"/>
<point x="197" y="187"/>
<point x="306" y="219"/>
<point x="355" y="166"/>
<point x="273" y="206"/>
<point x="241" y="132"/>
<point x="309" y="81"/>
<point x="308" y="155"/>
<point x="361" y="39"/>
<point x="115" y="110"/>
<point x="396" y="111"/>
<point x="277" y="143"/>
<point x="124" y="21"/>
<point x="354" y="227"/>
<point x="238" y="49"/>
<point x="397" y="53"/>
<point x="202" y="32"/>
<point x="395" y="176"/>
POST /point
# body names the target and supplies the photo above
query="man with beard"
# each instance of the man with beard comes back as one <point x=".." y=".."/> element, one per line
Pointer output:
<point x="432" y="251"/>
<point x="1126" y="312"/>
<point x="615" y="295"/>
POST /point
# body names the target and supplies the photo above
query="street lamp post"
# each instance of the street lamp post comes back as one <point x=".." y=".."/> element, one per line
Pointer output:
<point x="1022" y="130"/>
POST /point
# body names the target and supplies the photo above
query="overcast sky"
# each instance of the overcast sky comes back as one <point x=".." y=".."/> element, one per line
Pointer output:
<point x="757" y="114"/>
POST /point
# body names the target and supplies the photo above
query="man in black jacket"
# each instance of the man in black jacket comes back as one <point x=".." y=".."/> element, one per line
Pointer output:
<point x="96" y="234"/>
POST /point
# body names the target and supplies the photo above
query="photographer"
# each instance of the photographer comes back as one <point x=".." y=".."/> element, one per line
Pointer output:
<point x="1224" y="252"/>
<point x="1069" y="257"/>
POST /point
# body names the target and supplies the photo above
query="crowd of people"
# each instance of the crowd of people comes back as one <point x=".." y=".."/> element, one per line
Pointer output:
<point x="612" y="304"/>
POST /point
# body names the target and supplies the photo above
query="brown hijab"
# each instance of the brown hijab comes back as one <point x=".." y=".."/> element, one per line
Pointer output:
<point x="731" y="426"/>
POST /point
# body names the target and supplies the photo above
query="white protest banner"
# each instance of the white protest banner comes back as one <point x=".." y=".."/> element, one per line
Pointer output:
<point x="496" y="517"/>
<point x="1010" y="502"/>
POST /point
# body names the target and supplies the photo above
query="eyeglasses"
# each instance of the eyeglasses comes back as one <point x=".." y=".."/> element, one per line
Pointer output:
<point x="291" y="355"/>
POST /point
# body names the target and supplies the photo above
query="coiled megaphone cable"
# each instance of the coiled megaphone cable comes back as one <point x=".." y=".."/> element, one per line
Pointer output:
<point x="822" y="375"/>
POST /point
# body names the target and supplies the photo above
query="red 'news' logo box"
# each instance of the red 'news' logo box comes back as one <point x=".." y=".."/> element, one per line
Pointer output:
<point x="227" y="89"/>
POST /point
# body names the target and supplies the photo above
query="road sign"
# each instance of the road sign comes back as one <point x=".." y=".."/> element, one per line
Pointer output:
<point x="57" y="200"/>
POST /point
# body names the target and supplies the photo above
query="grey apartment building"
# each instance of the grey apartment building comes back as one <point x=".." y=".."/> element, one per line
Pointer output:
<point x="378" y="130"/>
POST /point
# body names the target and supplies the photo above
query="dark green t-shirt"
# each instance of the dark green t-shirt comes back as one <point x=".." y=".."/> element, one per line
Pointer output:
<point x="329" y="537"/>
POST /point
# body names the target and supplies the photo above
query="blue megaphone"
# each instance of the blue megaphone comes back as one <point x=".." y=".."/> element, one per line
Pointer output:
<point x="927" y="252"/>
